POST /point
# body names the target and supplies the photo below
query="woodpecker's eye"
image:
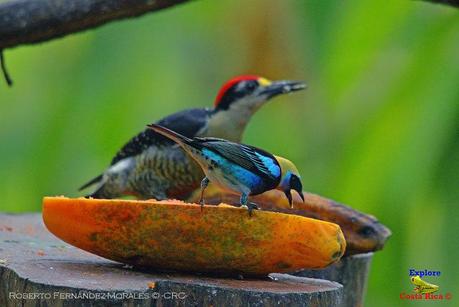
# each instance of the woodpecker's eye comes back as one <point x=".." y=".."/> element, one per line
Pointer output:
<point x="234" y="90"/>
<point x="251" y="85"/>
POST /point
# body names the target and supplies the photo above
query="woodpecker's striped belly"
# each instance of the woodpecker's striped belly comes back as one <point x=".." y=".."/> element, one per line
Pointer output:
<point x="166" y="172"/>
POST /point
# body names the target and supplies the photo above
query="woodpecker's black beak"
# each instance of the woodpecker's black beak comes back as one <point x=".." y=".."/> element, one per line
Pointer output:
<point x="281" y="87"/>
<point x="295" y="184"/>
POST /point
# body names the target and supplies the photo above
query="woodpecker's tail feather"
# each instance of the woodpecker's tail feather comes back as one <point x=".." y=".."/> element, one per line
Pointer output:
<point x="104" y="191"/>
<point x="91" y="182"/>
<point x="174" y="136"/>
<point x="99" y="193"/>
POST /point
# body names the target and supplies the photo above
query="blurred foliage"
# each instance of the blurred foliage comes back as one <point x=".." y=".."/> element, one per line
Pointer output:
<point x="378" y="127"/>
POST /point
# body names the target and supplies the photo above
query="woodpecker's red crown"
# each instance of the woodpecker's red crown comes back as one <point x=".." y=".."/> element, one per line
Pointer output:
<point x="230" y="84"/>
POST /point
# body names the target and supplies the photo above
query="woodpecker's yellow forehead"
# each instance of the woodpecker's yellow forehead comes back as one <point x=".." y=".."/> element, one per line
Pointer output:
<point x="264" y="81"/>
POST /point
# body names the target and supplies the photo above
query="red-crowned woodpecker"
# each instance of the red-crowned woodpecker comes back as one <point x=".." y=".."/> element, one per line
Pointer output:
<point x="152" y="166"/>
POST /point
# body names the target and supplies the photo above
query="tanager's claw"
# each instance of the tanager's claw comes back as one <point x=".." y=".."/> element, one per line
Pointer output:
<point x="251" y="207"/>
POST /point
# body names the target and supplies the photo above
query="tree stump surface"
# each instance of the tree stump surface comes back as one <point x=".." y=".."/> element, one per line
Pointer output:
<point x="37" y="269"/>
<point x="352" y="272"/>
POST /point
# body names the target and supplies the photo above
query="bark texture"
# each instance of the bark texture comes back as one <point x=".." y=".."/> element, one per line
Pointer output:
<point x="33" y="21"/>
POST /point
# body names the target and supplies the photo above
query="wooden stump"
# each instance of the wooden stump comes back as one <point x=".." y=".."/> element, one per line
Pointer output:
<point x="351" y="272"/>
<point x="37" y="269"/>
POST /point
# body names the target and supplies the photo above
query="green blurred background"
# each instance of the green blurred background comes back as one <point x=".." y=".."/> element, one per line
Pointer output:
<point x="378" y="127"/>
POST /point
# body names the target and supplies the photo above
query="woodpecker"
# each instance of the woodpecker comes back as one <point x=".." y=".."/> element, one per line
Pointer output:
<point x="152" y="166"/>
<point x="237" y="167"/>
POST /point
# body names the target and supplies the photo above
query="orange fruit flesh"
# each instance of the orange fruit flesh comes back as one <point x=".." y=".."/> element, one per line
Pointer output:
<point x="173" y="235"/>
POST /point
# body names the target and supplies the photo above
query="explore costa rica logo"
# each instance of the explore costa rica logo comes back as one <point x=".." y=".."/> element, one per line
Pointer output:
<point x="424" y="290"/>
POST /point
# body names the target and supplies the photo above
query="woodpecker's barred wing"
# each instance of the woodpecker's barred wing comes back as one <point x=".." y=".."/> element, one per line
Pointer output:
<point x="187" y="123"/>
<point x="251" y="158"/>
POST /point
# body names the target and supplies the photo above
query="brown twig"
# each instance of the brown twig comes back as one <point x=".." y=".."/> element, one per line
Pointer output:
<point x="4" y="70"/>
<point x="446" y="2"/>
<point x="32" y="21"/>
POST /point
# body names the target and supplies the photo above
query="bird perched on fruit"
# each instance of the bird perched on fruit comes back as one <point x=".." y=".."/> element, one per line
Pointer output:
<point x="238" y="167"/>
<point x="152" y="166"/>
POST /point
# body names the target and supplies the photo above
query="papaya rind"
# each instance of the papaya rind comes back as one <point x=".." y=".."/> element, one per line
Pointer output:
<point x="173" y="235"/>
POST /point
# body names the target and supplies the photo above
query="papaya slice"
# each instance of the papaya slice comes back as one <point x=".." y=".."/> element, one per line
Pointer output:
<point x="173" y="235"/>
<point x="363" y="232"/>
